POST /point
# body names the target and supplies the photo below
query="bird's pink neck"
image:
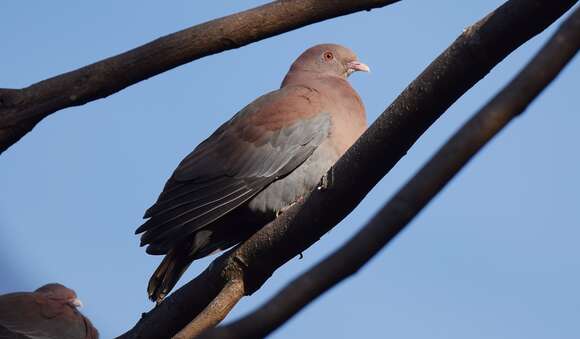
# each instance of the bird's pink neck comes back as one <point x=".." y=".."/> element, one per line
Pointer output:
<point x="296" y="78"/>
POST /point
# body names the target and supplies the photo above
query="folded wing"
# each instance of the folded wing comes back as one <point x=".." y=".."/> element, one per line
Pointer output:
<point x="265" y="141"/>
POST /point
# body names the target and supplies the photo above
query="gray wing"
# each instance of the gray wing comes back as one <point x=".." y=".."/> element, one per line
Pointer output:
<point x="226" y="170"/>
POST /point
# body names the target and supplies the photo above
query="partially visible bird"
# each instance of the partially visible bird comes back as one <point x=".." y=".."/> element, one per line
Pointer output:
<point x="264" y="159"/>
<point x="50" y="312"/>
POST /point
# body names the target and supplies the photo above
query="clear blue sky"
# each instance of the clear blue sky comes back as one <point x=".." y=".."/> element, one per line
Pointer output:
<point x="495" y="255"/>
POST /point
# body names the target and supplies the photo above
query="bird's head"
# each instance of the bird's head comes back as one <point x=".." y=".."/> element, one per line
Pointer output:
<point x="61" y="294"/>
<point x="329" y="59"/>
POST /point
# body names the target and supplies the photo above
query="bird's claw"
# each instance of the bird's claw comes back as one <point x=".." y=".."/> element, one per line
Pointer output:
<point x="326" y="180"/>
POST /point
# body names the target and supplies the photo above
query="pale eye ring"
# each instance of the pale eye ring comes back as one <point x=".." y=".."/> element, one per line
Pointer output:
<point x="328" y="56"/>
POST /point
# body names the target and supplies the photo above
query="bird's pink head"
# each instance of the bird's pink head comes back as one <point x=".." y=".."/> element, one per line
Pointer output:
<point x="60" y="293"/>
<point x="329" y="59"/>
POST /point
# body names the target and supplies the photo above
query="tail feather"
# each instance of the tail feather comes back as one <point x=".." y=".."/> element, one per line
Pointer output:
<point x="203" y="242"/>
<point x="167" y="274"/>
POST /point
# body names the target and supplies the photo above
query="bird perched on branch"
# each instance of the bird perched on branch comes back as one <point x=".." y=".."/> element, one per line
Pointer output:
<point x="264" y="159"/>
<point x="50" y="312"/>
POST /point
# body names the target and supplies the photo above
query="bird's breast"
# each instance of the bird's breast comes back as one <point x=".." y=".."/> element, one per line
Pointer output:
<point x="348" y="122"/>
<point x="347" y="115"/>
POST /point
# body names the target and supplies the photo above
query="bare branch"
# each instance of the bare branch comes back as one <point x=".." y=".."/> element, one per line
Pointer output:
<point x="416" y="193"/>
<point x="459" y="67"/>
<point x="215" y="312"/>
<point x="108" y="76"/>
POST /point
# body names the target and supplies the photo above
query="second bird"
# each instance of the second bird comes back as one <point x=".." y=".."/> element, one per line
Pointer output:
<point x="268" y="156"/>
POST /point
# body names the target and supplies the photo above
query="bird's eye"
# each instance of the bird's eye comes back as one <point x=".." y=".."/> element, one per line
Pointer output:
<point x="328" y="56"/>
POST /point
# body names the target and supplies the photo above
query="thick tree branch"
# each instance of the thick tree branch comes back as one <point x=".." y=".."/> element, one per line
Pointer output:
<point x="457" y="69"/>
<point x="22" y="109"/>
<point x="416" y="193"/>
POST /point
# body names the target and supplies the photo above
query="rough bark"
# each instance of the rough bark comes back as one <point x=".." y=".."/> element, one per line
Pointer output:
<point x="458" y="68"/>
<point x="417" y="192"/>
<point x="22" y="109"/>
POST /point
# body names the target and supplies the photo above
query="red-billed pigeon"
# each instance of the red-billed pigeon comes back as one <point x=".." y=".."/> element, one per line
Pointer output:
<point x="264" y="159"/>
<point x="50" y="312"/>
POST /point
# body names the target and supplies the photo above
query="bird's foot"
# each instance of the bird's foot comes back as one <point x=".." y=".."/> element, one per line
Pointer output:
<point x="284" y="209"/>
<point x="326" y="180"/>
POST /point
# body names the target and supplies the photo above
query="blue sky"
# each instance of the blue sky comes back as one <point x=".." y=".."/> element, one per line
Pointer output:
<point x="495" y="255"/>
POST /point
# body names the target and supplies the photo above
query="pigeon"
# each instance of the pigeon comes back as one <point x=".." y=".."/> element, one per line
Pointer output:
<point x="256" y="165"/>
<point x="50" y="312"/>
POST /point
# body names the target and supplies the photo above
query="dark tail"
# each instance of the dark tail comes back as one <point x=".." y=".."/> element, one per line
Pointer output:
<point x="176" y="261"/>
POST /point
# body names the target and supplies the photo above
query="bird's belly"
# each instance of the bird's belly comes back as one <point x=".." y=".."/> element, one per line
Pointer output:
<point x="285" y="191"/>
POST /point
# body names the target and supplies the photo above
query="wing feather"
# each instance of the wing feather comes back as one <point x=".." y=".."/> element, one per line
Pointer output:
<point x="264" y="142"/>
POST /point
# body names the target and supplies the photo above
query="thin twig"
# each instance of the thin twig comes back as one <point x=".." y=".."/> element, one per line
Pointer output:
<point x="215" y="312"/>
<point x="415" y="195"/>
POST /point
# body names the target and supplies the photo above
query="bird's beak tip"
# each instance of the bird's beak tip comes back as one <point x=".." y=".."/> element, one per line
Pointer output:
<point x="358" y="66"/>
<point x="76" y="303"/>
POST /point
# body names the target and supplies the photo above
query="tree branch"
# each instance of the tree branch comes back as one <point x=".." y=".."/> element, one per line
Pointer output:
<point x="417" y="192"/>
<point x="22" y="109"/>
<point x="215" y="312"/>
<point x="457" y="69"/>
